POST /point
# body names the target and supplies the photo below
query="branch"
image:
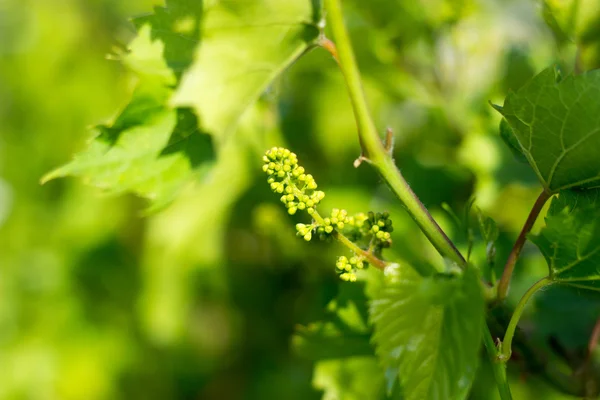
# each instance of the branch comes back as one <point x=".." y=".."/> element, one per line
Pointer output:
<point x="499" y="368"/>
<point x="506" y="347"/>
<point x="516" y="250"/>
<point x="373" y="150"/>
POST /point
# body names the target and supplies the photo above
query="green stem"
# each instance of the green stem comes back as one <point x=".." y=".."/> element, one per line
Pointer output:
<point x="498" y="367"/>
<point x="506" y="348"/>
<point x="373" y="149"/>
<point x="509" y="267"/>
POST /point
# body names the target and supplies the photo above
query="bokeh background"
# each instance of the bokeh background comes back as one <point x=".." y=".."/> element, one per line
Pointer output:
<point x="101" y="300"/>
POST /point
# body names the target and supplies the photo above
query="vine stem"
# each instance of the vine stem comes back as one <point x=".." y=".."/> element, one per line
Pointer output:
<point x="509" y="267"/>
<point x="499" y="368"/>
<point x="373" y="149"/>
<point x="506" y="346"/>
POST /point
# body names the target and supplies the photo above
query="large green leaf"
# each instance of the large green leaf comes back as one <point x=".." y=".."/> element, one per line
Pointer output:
<point x="556" y="125"/>
<point x="570" y="241"/>
<point x="428" y="332"/>
<point x="149" y="149"/>
<point x="245" y="45"/>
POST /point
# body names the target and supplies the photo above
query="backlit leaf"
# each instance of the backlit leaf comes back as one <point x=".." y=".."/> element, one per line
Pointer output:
<point x="245" y="45"/>
<point x="556" y="125"/>
<point x="570" y="241"/>
<point x="428" y="332"/>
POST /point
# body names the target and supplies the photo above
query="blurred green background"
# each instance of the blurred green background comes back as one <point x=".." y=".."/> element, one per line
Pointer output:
<point x="199" y="301"/>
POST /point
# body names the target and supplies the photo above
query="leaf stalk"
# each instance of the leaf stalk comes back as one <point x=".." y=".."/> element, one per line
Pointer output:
<point x="509" y="267"/>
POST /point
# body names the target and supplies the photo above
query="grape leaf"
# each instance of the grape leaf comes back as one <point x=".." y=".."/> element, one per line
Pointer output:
<point x="570" y="241"/>
<point x="556" y="125"/>
<point x="177" y="26"/>
<point x="245" y="45"/>
<point x="428" y="332"/>
<point x="150" y="149"/>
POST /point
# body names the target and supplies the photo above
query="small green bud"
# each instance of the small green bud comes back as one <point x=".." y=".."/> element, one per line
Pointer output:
<point x="308" y="236"/>
<point x="292" y="210"/>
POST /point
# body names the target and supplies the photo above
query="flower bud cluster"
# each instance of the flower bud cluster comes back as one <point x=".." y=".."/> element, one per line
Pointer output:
<point x="347" y="267"/>
<point x="369" y="232"/>
<point x="286" y="177"/>
<point x="380" y="226"/>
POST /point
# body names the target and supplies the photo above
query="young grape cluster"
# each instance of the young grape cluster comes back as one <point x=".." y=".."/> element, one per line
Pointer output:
<point x="370" y="232"/>
<point x="286" y="177"/>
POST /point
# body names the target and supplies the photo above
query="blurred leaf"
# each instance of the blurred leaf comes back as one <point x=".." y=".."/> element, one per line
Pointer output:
<point x="150" y="149"/>
<point x="355" y="378"/>
<point x="428" y="332"/>
<point x="246" y="44"/>
<point x="556" y="126"/>
<point x="343" y="332"/>
<point x="570" y="241"/>
<point x="572" y="18"/>
<point x="177" y="26"/>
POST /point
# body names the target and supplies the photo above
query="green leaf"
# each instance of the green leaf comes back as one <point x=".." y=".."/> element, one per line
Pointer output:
<point x="245" y="46"/>
<point x="489" y="233"/>
<point x="509" y="138"/>
<point x="556" y="125"/>
<point x="428" y="332"/>
<point x="177" y="26"/>
<point x="355" y="378"/>
<point x="570" y="241"/>
<point x="150" y="149"/>
<point x="343" y="332"/>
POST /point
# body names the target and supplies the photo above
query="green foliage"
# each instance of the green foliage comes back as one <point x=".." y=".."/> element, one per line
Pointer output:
<point x="428" y="332"/>
<point x="570" y="241"/>
<point x="555" y="123"/>
<point x="150" y="149"/>
<point x="246" y="45"/>
<point x="355" y="378"/>
<point x="342" y="332"/>
<point x="177" y="26"/>
<point x="202" y="297"/>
